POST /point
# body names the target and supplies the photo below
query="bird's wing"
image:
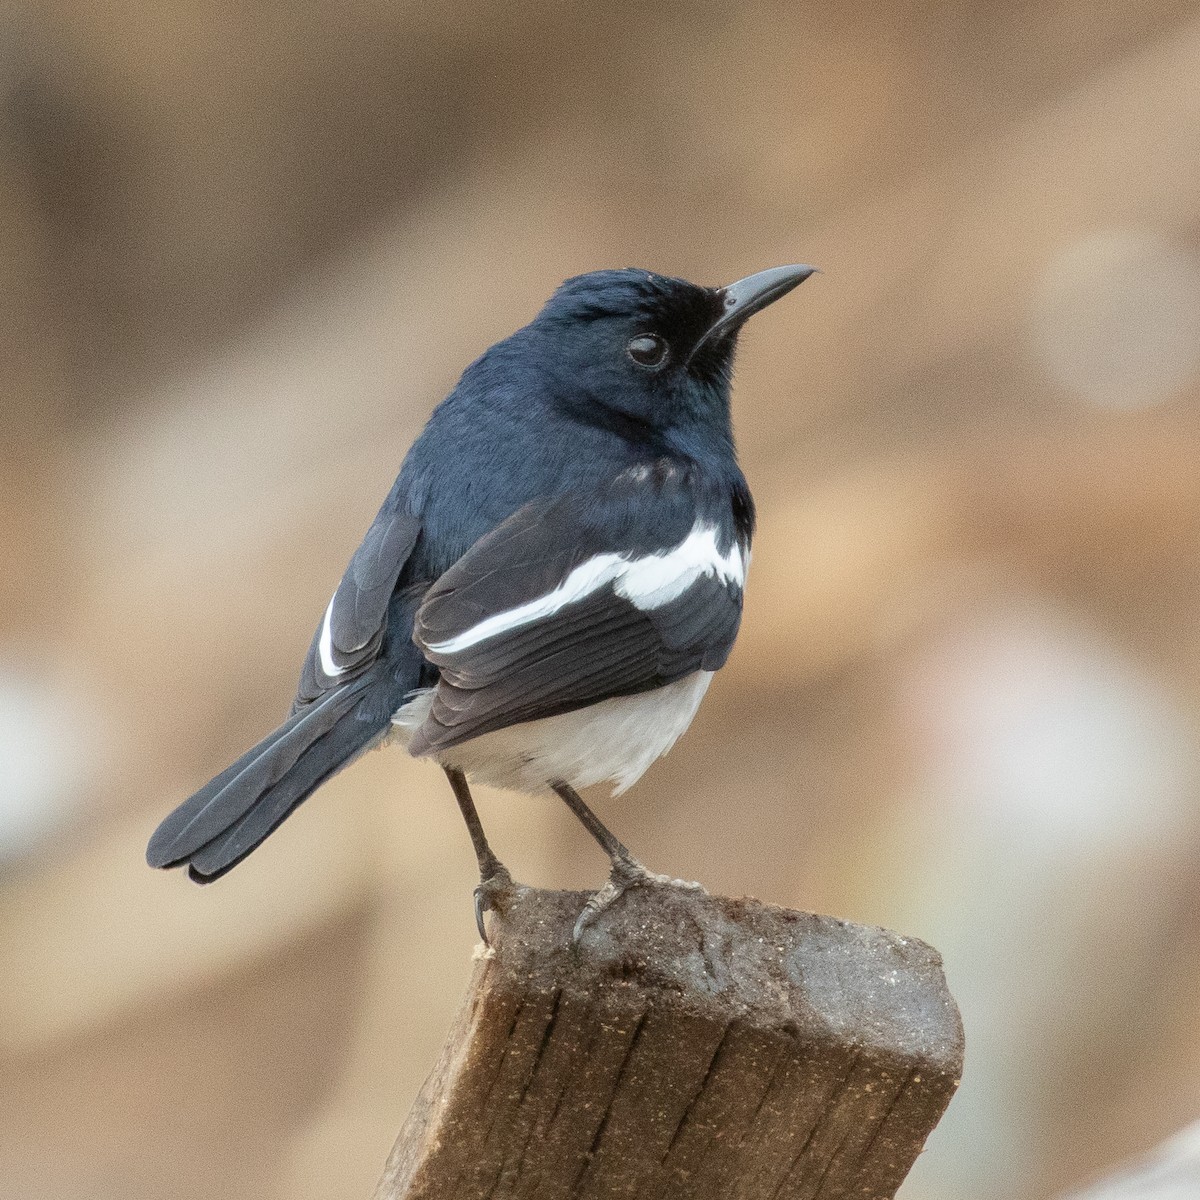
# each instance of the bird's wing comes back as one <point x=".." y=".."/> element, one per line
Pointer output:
<point x="351" y="632"/>
<point x="575" y="600"/>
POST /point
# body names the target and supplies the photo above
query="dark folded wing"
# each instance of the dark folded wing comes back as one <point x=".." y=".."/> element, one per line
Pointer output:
<point x="577" y="600"/>
<point x="351" y="632"/>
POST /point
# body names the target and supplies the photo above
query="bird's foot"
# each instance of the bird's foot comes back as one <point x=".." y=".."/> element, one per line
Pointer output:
<point x="626" y="873"/>
<point x="490" y="894"/>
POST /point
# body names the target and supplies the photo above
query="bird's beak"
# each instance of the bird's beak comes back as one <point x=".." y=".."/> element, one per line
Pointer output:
<point x="750" y="295"/>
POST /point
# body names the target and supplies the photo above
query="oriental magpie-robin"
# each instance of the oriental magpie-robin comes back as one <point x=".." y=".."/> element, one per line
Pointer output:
<point x="549" y="586"/>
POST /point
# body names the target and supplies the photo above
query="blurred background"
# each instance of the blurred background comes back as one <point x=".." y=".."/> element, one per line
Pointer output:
<point x="243" y="251"/>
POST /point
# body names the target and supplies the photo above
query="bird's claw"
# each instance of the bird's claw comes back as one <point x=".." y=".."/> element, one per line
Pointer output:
<point x="626" y="873"/>
<point x="495" y="887"/>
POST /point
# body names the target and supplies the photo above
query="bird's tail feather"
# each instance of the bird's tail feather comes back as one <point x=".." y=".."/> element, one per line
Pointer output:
<point x="216" y="828"/>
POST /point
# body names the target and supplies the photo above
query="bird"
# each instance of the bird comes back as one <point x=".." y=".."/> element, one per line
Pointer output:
<point x="549" y="586"/>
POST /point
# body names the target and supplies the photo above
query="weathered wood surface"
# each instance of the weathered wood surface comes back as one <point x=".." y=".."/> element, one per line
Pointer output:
<point x="691" y="1046"/>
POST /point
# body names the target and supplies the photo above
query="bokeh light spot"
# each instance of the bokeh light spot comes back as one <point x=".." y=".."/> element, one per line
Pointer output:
<point x="1116" y="319"/>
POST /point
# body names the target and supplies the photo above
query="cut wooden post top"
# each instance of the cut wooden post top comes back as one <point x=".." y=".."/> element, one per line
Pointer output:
<point x="689" y="1046"/>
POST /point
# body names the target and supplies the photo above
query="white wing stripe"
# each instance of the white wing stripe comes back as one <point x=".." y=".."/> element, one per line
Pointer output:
<point x="647" y="583"/>
<point x="325" y="645"/>
<point x="581" y="582"/>
<point x="660" y="578"/>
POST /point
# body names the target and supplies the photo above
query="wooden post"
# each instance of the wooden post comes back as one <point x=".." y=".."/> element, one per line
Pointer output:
<point x="690" y="1046"/>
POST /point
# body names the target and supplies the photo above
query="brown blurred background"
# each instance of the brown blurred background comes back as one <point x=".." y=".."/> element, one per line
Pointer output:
<point x="243" y="251"/>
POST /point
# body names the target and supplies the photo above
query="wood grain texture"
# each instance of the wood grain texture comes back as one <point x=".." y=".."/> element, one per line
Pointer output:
<point x="691" y="1046"/>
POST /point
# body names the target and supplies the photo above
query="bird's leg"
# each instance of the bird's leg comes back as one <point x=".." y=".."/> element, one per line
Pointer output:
<point x="494" y="878"/>
<point x="626" y="871"/>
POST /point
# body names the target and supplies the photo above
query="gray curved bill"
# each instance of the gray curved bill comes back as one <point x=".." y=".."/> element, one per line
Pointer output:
<point x="752" y="294"/>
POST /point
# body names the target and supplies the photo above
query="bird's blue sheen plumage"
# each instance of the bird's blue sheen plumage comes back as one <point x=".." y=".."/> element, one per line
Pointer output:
<point x="555" y="448"/>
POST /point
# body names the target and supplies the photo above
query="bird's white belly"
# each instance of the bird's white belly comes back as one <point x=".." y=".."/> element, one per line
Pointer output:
<point x="614" y="740"/>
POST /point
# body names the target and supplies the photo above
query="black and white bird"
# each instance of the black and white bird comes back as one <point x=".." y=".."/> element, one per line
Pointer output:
<point x="550" y="585"/>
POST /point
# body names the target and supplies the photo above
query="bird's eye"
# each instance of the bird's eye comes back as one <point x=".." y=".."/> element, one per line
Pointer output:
<point x="647" y="350"/>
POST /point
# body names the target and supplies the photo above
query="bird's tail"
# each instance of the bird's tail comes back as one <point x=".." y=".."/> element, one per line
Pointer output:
<point x="216" y="828"/>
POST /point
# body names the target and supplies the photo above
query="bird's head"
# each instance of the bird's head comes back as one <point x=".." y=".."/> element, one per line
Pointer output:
<point x="648" y="353"/>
